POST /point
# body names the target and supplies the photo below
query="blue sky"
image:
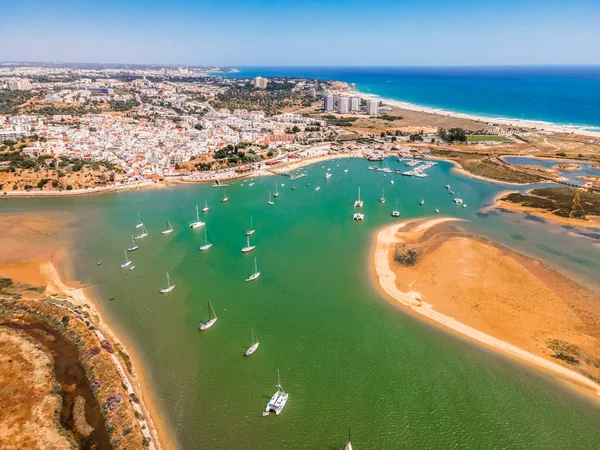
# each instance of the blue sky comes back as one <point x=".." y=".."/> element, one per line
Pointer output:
<point x="307" y="32"/>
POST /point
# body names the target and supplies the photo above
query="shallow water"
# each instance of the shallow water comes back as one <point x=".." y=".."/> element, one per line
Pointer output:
<point x="347" y="357"/>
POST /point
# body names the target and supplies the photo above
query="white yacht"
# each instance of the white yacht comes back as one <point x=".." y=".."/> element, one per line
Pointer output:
<point x="254" y="345"/>
<point x="391" y="181"/>
<point x="248" y="248"/>
<point x="250" y="184"/>
<point x="127" y="261"/>
<point x="345" y="170"/>
<point x="140" y="224"/>
<point x="211" y="319"/>
<point x="382" y="199"/>
<point x="256" y="273"/>
<point x="358" y="216"/>
<point x="358" y="203"/>
<point x="396" y="213"/>
<point x="464" y="205"/>
<point x="318" y="187"/>
<point x="279" y="399"/>
<point x="270" y="202"/>
<point x="328" y="175"/>
<point x="169" y="287"/>
<point x="143" y="234"/>
<point x="197" y="223"/>
<point x="206" y="208"/>
<point x="206" y="244"/>
<point x="225" y="198"/>
<point x="458" y="200"/>
<point x="437" y="210"/>
<point x="422" y="202"/>
<point x="169" y="228"/>
<point x="276" y="194"/>
<point x="251" y="230"/>
<point x="134" y="246"/>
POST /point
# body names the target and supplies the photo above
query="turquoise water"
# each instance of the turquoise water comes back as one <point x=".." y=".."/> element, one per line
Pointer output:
<point x="565" y="95"/>
<point x="347" y="357"/>
<point x="572" y="175"/>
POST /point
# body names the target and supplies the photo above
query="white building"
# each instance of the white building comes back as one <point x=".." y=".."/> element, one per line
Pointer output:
<point x="355" y="104"/>
<point x="260" y="83"/>
<point x="328" y="102"/>
<point x="343" y="105"/>
<point x="312" y="92"/>
<point x="372" y="107"/>
<point x="18" y="84"/>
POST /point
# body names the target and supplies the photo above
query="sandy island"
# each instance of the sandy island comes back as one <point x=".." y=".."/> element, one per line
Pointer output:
<point x="492" y="295"/>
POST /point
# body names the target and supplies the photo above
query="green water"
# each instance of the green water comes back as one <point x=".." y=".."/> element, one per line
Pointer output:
<point x="347" y="357"/>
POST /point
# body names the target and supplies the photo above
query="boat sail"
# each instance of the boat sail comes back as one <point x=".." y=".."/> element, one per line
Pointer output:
<point x="211" y="319"/>
<point x="169" y="228"/>
<point x="197" y="223"/>
<point x="251" y="230"/>
<point x="358" y="203"/>
<point x="256" y="273"/>
<point x="143" y="234"/>
<point x="207" y="244"/>
<point x="278" y="400"/>
<point x="134" y="246"/>
<point x="127" y="261"/>
<point x="248" y="248"/>
<point x="169" y="287"/>
<point x="254" y="345"/>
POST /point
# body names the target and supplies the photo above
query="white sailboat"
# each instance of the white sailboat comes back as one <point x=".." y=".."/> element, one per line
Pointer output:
<point x="211" y="319"/>
<point x="143" y="234"/>
<point x="276" y="194"/>
<point x="256" y="273"/>
<point x="251" y="230"/>
<point x="206" y="208"/>
<point x="254" y="345"/>
<point x="457" y="199"/>
<point x="169" y="228"/>
<point x="127" y="261"/>
<point x="327" y="175"/>
<point x="225" y="198"/>
<point x="396" y="213"/>
<point x="437" y="210"/>
<point x="270" y="202"/>
<point x="197" y="223"/>
<point x="358" y="203"/>
<point x="422" y="202"/>
<point x="133" y="245"/>
<point x="140" y="224"/>
<point x="206" y="244"/>
<point x="318" y="187"/>
<point x="349" y="444"/>
<point x="169" y="287"/>
<point x="382" y="199"/>
<point x="248" y="248"/>
<point x="279" y="399"/>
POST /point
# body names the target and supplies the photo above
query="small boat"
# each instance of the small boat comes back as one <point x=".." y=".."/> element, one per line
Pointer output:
<point x="447" y="186"/>
<point x="169" y="287"/>
<point x="396" y="213"/>
<point x="207" y="244"/>
<point x="133" y="245"/>
<point x="251" y="230"/>
<point x="127" y="261"/>
<point x="349" y="444"/>
<point x="132" y="267"/>
<point x="217" y="184"/>
<point x="254" y="345"/>
<point x="250" y="184"/>
<point x="169" y="228"/>
<point x="206" y="208"/>
<point x="140" y="224"/>
<point x="293" y="188"/>
<point x="327" y="175"/>
<point x="437" y="210"/>
<point x="211" y="319"/>
<point x="358" y="203"/>
<point x="143" y="234"/>
<point x="276" y="194"/>
<point x="197" y="223"/>
<point x="391" y="181"/>
<point x="270" y="202"/>
<point x="279" y="399"/>
<point x="248" y="248"/>
<point x="99" y="263"/>
<point x="458" y="200"/>
<point x="358" y="216"/>
<point x="464" y="205"/>
<point x="451" y="192"/>
<point x="422" y="202"/>
<point x="225" y="198"/>
<point x="382" y="199"/>
<point x="256" y="273"/>
<point x="318" y="187"/>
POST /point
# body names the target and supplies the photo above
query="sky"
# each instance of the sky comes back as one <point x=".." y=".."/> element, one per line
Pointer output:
<point x="303" y="32"/>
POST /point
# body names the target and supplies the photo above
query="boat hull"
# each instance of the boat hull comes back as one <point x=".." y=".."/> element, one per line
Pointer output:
<point x="167" y="289"/>
<point x="253" y="277"/>
<point x="206" y="325"/>
<point x="252" y="349"/>
<point x="196" y="225"/>
<point x="205" y="247"/>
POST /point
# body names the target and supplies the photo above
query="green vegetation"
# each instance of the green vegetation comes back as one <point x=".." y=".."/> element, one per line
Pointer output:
<point x="339" y="121"/>
<point x="453" y="135"/>
<point x="490" y="138"/>
<point x="11" y="100"/>
<point x="560" y="201"/>
<point x="389" y="118"/>
<point x="120" y="105"/>
<point x="564" y="351"/>
<point x="64" y="110"/>
<point x="405" y="256"/>
<point x="272" y="100"/>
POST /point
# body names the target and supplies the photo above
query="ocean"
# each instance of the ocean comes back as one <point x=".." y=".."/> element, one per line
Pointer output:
<point x="347" y="357"/>
<point x="561" y="95"/>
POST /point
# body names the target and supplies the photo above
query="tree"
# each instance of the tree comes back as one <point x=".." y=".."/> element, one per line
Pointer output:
<point x="69" y="187"/>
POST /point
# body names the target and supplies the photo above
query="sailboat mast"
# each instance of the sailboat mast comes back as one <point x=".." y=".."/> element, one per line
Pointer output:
<point x="168" y="281"/>
<point x="279" y="388"/>
<point x="197" y="214"/>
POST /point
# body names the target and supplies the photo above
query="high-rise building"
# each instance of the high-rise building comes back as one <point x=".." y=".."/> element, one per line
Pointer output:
<point x="372" y="107"/>
<point x="328" y="102"/>
<point x="260" y="83"/>
<point x="18" y="85"/>
<point x="312" y="92"/>
<point x="343" y="105"/>
<point x="354" y="104"/>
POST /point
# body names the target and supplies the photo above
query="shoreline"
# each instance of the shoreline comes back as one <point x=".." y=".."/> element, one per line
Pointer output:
<point x="386" y="282"/>
<point x="524" y="123"/>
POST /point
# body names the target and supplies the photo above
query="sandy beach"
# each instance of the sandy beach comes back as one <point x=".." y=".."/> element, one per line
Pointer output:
<point x="473" y="294"/>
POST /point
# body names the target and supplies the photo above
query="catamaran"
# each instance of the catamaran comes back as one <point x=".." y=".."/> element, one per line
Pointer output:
<point x="211" y="319"/>
<point x="248" y="248"/>
<point x="276" y="194"/>
<point x="197" y="223"/>
<point x="127" y="261"/>
<point x="225" y="198"/>
<point x="206" y="208"/>
<point x="251" y="230"/>
<point x="382" y="199"/>
<point x="358" y="216"/>
<point x="396" y="213"/>
<point x="270" y="202"/>
<point x="278" y="400"/>
<point x="169" y="287"/>
<point x="133" y="245"/>
<point x="207" y="244"/>
<point x="349" y="444"/>
<point x="254" y="345"/>
<point x="327" y="175"/>
<point x="256" y="273"/>
<point x="358" y="203"/>
<point x="140" y="224"/>
<point x="457" y="199"/>
<point x="169" y="228"/>
<point x="143" y="234"/>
